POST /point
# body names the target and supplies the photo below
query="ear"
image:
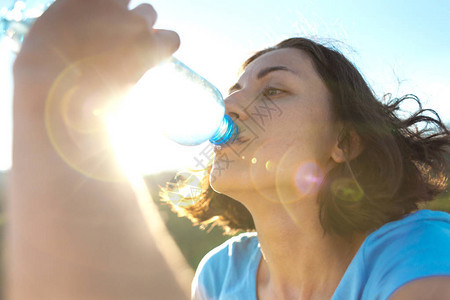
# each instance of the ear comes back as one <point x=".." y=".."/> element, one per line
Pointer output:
<point x="348" y="146"/>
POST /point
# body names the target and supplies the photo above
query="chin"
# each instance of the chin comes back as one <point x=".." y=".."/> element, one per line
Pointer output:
<point x="227" y="181"/>
<point x="220" y="181"/>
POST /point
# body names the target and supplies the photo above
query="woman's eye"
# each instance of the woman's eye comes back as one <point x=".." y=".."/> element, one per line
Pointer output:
<point x="270" y="92"/>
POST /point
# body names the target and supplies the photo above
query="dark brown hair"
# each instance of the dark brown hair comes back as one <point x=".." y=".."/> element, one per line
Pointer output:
<point x="402" y="162"/>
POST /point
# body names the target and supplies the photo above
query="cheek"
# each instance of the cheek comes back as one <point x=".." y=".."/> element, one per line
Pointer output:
<point x="298" y="175"/>
<point x="291" y="167"/>
<point x="284" y="177"/>
<point x="284" y="172"/>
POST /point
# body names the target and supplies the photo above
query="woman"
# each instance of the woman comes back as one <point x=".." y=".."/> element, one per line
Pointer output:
<point x="331" y="179"/>
<point x="67" y="242"/>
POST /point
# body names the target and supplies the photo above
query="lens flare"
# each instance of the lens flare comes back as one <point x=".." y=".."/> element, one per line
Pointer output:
<point x="347" y="189"/>
<point x="308" y="178"/>
<point x="77" y="129"/>
<point x="269" y="165"/>
<point x="187" y="188"/>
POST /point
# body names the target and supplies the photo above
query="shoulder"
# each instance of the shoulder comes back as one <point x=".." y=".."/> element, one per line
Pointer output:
<point x="406" y="250"/>
<point x="424" y="229"/>
<point x="431" y="288"/>
<point x="231" y="251"/>
<point x="225" y="265"/>
<point x="435" y="219"/>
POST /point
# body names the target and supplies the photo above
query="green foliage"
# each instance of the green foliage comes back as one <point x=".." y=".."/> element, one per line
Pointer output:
<point x="442" y="202"/>
<point x="193" y="242"/>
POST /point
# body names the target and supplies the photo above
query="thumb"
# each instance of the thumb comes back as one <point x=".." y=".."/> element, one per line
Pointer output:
<point x="168" y="41"/>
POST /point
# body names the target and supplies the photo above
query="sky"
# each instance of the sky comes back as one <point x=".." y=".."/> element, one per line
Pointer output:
<point x="401" y="47"/>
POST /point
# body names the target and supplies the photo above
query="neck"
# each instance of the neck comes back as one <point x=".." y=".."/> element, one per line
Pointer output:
<point x="299" y="261"/>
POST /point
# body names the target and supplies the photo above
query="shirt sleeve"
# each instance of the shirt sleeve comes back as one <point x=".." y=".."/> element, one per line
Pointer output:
<point x="415" y="250"/>
<point x="229" y="270"/>
<point x="198" y="291"/>
<point x="206" y="283"/>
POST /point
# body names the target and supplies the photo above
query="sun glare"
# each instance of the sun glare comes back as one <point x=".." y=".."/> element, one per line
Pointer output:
<point x="136" y="136"/>
<point x="140" y="127"/>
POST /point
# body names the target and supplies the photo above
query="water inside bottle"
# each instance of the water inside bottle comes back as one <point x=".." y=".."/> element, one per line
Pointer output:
<point x="188" y="109"/>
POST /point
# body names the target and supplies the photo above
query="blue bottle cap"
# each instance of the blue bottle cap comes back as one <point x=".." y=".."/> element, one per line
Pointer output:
<point x="226" y="133"/>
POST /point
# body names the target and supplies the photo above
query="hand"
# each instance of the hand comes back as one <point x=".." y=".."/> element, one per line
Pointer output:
<point x="123" y="42"/>
<point x="79" y="58"/>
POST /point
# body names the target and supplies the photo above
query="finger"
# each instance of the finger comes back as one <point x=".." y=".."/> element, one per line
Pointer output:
<point x="147" y="12"/>
<point x="168" y="41"/>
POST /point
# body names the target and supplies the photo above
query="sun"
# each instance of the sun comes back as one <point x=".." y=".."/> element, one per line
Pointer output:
<point x="134" y="128"/>
<point x="143" y="126"/>
<point x="140" y="127"/>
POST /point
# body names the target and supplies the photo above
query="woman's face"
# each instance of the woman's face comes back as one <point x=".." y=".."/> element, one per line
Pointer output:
<point x="287" y="131"/>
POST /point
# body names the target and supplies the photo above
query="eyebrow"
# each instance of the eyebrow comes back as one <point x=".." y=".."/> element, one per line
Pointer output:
<point x="264" y="72"/>
<point x="268" y="70"/>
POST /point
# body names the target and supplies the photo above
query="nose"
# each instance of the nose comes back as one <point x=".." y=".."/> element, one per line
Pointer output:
<point x="234" y="107"/>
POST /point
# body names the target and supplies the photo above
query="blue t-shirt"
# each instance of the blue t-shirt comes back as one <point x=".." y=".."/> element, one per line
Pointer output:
<point x="414" y="247"/>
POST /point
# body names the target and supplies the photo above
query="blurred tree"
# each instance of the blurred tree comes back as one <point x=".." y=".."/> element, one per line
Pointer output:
<point x="442" y="202"/>
<point x="193" y="241"/>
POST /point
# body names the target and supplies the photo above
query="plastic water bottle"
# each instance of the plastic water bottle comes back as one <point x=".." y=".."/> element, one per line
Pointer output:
<point x="193" y="108"/>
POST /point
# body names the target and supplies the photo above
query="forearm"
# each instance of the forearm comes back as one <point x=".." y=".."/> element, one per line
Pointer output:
<point x="71" y="236"/>
<point x="75" y="229"/>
